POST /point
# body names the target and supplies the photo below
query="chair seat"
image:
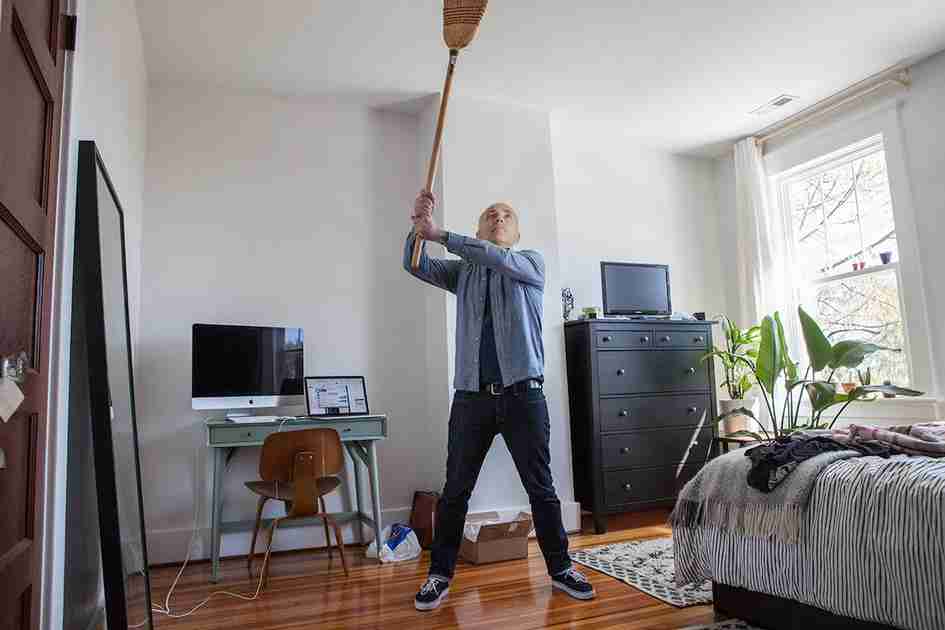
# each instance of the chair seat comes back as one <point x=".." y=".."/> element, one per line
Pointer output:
<point x="285" y="491"/>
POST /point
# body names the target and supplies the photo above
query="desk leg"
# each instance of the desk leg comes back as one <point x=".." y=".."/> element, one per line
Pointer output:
<point x="216" y="510"/>
<point x="356" y="465"/>
<point x="375" y="493"/>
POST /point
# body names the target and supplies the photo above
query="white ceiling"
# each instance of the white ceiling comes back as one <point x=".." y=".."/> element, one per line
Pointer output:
<point x="678" y="74"/>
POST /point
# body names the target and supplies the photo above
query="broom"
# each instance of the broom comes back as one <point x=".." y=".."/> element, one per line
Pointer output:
<point x="460" y="23"/>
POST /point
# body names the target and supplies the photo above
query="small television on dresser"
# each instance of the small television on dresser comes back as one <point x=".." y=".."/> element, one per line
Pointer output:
<point x="246" y="367"/>
<point x="635" y="289"/>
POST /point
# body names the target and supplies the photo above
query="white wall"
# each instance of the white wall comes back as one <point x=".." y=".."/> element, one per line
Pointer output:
<point x="495" y="152"/>
<point x="915" y="131"/>
<point x="923" y="125"/>
<point x="263" y="210"/>
<point x="108" y="104"/>
<point x="618" y="201"/>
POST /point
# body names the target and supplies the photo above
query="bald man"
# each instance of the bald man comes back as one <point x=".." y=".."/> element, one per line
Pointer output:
<point x="499" y="376"/>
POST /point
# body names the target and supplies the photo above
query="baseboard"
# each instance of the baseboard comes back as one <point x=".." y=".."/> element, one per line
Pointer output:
<point x="167" y="546"/>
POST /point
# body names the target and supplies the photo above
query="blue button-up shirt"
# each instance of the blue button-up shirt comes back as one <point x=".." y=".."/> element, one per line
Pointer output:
<point x="515" y="294"/>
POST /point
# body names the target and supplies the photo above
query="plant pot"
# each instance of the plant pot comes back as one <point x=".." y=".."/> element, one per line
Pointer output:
<point x="848" y="387"/>
<point x="738" y="422"/>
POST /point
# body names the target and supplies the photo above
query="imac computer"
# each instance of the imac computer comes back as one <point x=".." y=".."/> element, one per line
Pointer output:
<point x="246" y="367"/>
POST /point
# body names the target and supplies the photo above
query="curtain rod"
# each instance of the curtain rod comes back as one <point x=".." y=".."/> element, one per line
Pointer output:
<point x="899" y="76"/>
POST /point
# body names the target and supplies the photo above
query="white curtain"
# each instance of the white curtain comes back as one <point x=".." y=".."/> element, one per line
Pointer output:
<point x="761" y="249"/>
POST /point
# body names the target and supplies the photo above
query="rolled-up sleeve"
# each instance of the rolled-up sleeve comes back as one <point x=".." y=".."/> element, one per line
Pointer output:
<point x="435" y="271"/>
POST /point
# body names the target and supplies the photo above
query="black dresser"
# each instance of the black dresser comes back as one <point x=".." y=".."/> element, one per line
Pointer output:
<point x="642" y="411"/>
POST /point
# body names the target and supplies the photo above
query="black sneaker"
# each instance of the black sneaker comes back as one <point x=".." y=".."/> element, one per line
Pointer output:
<point x="574" y="584"/>
<point x="432" y="593"/>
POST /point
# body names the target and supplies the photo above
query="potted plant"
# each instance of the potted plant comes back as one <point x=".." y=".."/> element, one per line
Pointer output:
<point x="739" y="344"/>
<point x="782" y="390"/>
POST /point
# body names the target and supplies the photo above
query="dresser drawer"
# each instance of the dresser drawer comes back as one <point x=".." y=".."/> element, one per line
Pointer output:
<point x="680" y="337"/>
<point x="651" y="412"/>
<point x="646" y="484"/>
<point x="655" y="448"/>
<point x="624" y="339"/>
<point x="629" y="372"/>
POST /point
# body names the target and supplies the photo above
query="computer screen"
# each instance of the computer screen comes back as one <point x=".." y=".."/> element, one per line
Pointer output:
<point x="245" y="366"/>
<point x="635" y="289"/>
<point x="335" y="395"/>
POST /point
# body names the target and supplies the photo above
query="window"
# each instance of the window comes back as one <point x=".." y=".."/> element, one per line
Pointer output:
<point x="838" y="211"/>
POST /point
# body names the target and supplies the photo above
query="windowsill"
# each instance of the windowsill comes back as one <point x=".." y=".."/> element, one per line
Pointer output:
<point x="900" y="410"/>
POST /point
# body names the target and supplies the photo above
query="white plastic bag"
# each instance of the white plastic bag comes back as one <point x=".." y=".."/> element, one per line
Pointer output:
<point x="400" y="543"/>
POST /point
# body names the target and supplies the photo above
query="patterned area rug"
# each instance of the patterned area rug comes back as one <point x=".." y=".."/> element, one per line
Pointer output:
<point x="731" y="624"/>
<point x="648" y="566"/>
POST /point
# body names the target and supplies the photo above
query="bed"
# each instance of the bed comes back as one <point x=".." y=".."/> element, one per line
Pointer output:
<point x="870" y="553"/>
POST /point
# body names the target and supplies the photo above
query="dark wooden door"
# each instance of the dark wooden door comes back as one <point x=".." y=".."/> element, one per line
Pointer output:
<point x="31" y="71"/>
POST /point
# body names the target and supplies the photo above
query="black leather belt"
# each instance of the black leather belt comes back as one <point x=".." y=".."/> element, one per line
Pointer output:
<point x="496" y="389"/>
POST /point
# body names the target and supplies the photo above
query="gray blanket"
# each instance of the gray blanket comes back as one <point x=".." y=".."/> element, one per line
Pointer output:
<point x="719" y="497"/>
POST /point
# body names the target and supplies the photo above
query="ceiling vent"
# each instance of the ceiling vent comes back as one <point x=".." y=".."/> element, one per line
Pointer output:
<point x="774" y="104"/>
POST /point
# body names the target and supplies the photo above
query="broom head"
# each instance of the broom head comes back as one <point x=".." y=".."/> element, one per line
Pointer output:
<point x="461" y="20"/>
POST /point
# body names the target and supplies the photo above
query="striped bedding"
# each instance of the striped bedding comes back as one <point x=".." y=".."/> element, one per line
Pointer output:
<point x="872" y="546"/>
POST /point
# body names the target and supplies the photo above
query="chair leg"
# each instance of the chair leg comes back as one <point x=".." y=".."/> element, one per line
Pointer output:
<point x="321" y="502"/>
<point x="268" y="560"/>
<point x="252" y="545"/>
<point x="341" y="545"/>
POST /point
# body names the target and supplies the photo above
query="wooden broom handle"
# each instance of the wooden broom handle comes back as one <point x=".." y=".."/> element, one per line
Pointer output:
<point x="435" y="155"/>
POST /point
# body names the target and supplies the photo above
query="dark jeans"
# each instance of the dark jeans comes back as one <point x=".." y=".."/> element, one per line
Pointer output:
<point x="522" y="419"/>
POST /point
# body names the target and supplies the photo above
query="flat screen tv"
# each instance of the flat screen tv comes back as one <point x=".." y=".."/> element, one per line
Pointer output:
<point x="635" y="289"/>
<point x="246" y="367"/>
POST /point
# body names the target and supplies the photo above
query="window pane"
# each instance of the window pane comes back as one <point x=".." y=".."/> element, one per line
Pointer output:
<point x="842" y="216"/>
<point x="866" y="308"/>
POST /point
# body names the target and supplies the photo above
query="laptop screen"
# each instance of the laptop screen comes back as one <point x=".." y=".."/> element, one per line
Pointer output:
<point x="335" y="395"/>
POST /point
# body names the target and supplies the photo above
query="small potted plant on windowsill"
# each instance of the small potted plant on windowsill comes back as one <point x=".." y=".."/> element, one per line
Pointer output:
<point x="739" y="346"/>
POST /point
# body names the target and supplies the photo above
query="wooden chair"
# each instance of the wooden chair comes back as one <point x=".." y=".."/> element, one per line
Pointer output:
<point x="298" y="468"/>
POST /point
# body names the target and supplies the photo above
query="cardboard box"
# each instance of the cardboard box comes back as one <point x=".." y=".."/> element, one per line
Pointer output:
<point x="506" y="539"/>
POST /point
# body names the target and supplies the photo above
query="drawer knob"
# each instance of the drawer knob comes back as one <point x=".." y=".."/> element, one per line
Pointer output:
<point x="621" y="372"/>
<point x="626" y="487"/>
<point x="699" y="340"/>
<point x="623" y="413"/>
<point x="625" y="450"/>
<point x="691" y="370"/>
<point x="644" y="339"/>
<point x="665" y="339"/>
<point x="692" y="410"/>
<point x="607" y="338"/>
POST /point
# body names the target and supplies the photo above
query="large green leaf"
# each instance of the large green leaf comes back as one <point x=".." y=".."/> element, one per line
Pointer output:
<point x="822" y="394"/>
<point x="790" y="367"/>
<point x="865" y="390"/>
<point x="770" y="364"/>
<point x="850" y="354"/>
<point x="818" y="347"/>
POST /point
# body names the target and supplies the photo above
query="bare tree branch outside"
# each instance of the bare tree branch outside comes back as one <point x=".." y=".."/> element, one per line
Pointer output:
<point x="842" y="219"/>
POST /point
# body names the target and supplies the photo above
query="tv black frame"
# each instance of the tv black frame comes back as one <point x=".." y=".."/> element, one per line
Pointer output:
<point x="308" y="407"/>
<point x="603" y="288"/>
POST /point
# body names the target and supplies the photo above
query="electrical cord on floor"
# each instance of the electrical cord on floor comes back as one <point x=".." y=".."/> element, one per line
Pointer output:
<point x="165" y="608"/>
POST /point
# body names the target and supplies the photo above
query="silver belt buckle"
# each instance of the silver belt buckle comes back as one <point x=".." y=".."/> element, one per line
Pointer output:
<point x="495" y="389"/>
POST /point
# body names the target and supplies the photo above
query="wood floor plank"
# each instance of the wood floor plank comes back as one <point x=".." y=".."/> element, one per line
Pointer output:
<point x="308" y="590"/>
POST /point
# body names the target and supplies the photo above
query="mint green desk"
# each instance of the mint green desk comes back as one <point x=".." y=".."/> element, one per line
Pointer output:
<point x="359" y="435"/>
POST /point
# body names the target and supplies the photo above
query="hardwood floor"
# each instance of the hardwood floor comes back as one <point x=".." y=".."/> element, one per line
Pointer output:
<point x="307" y="590"/>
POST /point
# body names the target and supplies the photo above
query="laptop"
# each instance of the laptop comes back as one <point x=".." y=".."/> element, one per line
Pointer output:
<point x="334" y="396"/>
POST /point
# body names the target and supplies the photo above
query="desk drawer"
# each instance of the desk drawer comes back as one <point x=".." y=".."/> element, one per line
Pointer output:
<point x="646" y="484"/>
<point x="251" y="434"/>
<point x="624" y="339"/>
<point x="651" y="412"/>
<point x="629" y="372"/>
<point x="655" y="448"/>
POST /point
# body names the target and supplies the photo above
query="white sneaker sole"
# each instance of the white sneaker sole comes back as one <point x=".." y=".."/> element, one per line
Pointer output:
<point x="573" y="593"/>
<point x="434" y="604"/>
